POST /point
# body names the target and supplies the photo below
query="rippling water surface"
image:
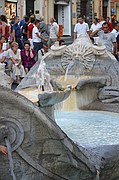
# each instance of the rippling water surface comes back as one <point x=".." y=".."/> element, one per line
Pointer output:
<point x="90" y="127"/>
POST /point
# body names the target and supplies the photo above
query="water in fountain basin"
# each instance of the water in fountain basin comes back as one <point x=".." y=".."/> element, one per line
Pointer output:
<point x="90" y="127"/>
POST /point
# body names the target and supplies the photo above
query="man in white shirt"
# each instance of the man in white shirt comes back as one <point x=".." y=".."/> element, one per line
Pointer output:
<point x="54" y="29"/>
<point x="36" y="36"/>
<point x="95" y="25"/>
<point x="81" y="28"/>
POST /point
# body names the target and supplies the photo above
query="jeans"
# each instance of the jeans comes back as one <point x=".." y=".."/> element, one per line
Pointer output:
<point x="37" y="46"/>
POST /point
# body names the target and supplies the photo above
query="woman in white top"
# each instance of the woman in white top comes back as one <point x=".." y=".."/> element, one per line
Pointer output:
<point x="17" y="67"/>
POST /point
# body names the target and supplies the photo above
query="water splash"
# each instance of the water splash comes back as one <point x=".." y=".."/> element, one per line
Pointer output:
<point x="97" y="175"/>
<point x="10" y="158"/>
<point x="43" y="78"/>
<point x="65" y="76"/>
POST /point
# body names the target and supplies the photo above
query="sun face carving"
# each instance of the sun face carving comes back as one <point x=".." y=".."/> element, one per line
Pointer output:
<point x="78" y="56"/>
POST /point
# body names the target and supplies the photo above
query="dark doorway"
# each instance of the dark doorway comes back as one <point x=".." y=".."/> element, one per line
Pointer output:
<point x="104" y="12"/>
<point x="83" y="7"/>
<point x="86" y="10"/>
<point x="29" y="7"/>
<point x="56" y="12"/>
<point x="105" y="6"/>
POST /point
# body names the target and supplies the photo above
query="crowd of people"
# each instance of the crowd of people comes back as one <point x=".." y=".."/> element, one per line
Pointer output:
<point x="21" y="41"/>
<point x="101" y="31"/>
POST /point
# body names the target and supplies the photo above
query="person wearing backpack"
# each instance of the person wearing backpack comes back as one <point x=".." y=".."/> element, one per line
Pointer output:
<point x="17" y="33"/>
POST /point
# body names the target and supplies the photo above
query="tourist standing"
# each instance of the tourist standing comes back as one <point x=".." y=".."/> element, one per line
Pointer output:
<point x="109" y="24"/>
<point x="5" y="27"/>
<point x="53" y="34"/>
<point x="11" y="30"/>
<point x="106" y="38"/>
<point x="17" y="33"/>
<point x="81" y="28"/>
<point x="36" y="35"/>
<point x="43" y="30"/>
<point x="31" y="26"/>
<point x="30" y="29"/>
<point x="25" y="29"/>
<point x="21" y="23"/>
<point x="43" y="27"/>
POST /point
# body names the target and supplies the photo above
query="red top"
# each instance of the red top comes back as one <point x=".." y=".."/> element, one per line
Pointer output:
<point x="110" y="26"/>
<point x="6" y="31"/>
<point x="30" y="28"/>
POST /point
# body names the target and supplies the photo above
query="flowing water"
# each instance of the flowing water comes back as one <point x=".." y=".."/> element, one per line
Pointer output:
<point x="69" y="104"/>
<point x="10" y="159"/>
<point x="90" y="127"/>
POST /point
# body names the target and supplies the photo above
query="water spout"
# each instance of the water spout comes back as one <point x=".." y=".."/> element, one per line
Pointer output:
<point x="98" y="175"/>
<point x="10" y="158"/>
<point x="65" y="76"/>
<point x="43" y="78"/>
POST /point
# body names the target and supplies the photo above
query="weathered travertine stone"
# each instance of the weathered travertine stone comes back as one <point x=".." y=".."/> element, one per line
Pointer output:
<point x="109" y="94"/>
<point x="99" y="50"/>
<point x="5" y="80"/>
<point x="3" y="132"/>
<point x="40" y="149"/>
<point x="112" y="100"/>
<point x="58" y="50"/>
<point x="51" y="98"/>
<point x="80" y="67"/>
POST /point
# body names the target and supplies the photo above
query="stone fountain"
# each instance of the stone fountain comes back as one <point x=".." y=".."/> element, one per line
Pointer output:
<point x="39" y="148"/>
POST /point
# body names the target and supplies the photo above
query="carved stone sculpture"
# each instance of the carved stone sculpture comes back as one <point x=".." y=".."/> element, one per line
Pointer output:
<point x="40" y="149"/>
<point x="5" y="80"/>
